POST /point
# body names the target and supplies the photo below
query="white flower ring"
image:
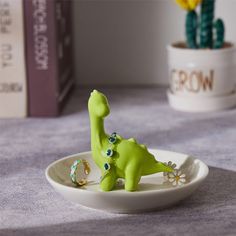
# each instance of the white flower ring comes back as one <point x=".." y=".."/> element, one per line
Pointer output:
<point x="177" y="178"/>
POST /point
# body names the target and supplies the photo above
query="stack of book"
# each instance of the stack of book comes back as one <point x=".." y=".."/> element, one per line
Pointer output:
<point x="36" y="65"/>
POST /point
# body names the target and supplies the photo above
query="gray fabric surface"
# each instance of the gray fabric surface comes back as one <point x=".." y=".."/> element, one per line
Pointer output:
<point x="30" y="206"/>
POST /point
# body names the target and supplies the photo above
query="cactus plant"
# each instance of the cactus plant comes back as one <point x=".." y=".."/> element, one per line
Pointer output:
<point x="202" y="31"/>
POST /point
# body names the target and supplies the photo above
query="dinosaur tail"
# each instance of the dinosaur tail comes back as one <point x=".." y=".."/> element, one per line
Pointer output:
<point x="155" y="167"/>
<point x="161" y="167"/>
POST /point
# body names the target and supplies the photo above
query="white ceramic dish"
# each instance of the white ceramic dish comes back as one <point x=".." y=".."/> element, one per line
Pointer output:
<point x="154" y="193"/>
<point x="201" y="104"/>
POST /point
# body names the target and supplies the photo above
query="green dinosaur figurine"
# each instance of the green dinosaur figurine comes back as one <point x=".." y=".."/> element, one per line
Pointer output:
<point x="115" y="156"/>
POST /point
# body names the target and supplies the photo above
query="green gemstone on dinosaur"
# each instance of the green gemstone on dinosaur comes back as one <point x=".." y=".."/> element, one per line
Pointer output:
<point x="107" y="166"/>
<point x="109" y="152"/>
<point x="112" y="140"/>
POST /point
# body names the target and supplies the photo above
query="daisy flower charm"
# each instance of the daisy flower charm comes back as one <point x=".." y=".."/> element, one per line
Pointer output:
<point x="170" y="164"/>
<point x="177" y="178"/>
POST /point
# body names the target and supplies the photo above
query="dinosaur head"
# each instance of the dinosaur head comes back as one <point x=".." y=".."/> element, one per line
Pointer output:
<point x="98" y="105"/>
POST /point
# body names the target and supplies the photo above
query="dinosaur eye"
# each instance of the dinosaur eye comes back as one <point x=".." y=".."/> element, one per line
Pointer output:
<point x="107" y="166"/>
<point x="109" y="152"/>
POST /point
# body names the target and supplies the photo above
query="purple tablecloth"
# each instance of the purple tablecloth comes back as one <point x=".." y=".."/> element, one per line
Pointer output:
<point x="30" y="206"/>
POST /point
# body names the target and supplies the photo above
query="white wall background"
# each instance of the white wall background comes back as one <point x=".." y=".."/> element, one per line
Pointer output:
<point x="122" y="42"/>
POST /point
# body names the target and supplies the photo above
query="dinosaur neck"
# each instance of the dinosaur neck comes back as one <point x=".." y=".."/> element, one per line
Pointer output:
<point x="97" y="132"/>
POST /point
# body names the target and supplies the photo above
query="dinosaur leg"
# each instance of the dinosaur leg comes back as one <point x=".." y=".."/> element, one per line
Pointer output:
<point x="109" y="182"/>
<point x="132" y="178"/>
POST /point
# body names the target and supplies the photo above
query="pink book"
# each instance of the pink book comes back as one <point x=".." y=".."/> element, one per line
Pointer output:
<point x="48" y="30"/>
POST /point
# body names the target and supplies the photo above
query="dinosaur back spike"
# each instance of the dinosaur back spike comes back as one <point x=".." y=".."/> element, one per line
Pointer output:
<point x="143" y="146"/>
<point x="132" y="140"/>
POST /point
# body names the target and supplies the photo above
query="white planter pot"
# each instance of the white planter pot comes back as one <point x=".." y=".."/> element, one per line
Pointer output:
<point x="201" y="74"/>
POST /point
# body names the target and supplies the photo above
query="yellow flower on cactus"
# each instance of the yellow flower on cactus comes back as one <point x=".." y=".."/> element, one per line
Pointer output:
<point x="188" y="5"/>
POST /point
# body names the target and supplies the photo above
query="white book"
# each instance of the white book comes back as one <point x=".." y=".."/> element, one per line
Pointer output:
<point x="13" y="91"/>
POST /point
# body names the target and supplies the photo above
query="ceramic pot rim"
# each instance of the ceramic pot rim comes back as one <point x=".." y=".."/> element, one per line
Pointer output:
<point x="230" y="48"/>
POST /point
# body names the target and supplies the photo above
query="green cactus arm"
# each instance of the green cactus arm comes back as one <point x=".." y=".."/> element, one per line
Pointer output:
<point x="206" y="26"/>
<point x="191" y="29"/>
<point x="219" y="34"/>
